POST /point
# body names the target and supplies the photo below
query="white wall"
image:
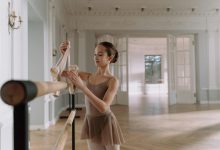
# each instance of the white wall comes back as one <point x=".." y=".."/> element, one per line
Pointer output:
<point x="209" y="67"/>
<point x="36" y="70"/>
<point x="13" y="63"/>
<point x="38" y="62"/>
<point x="45" y="34"/>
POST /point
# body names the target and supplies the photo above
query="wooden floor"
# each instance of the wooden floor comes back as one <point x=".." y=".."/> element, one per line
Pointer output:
<point x="149" y="124"/>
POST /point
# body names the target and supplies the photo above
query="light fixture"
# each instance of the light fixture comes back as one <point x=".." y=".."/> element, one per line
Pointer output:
<point x="168" y="9"/>
<point x="89" y="8"/>
<point x="116" y="8"/>
<point x="14" y="21"/>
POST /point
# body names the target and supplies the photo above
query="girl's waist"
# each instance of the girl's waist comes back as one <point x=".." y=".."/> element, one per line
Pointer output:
<point x="91" y="115"/>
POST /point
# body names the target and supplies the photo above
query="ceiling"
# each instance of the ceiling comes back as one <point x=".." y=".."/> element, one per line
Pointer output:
<point x="205" y="6"/>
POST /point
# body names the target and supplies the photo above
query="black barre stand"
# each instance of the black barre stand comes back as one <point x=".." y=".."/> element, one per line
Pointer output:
<point x="71" y="106"/>
<point x="21" y="127"/>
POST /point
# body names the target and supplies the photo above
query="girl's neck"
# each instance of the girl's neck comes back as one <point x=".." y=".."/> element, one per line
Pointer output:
<point x="103" y="71"/>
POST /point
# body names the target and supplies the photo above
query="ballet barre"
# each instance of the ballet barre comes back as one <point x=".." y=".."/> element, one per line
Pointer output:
<point x="61" y="142"/>
<point x="18" y="93"/>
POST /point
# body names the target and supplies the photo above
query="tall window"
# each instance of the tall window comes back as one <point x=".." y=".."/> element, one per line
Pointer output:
<point x="153" y="69"/>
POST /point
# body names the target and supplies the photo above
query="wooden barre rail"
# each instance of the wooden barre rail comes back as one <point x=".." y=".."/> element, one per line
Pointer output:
<point x="61" y="142"/>
<point x="15" y="92"/>
<point x="18" y="93"/>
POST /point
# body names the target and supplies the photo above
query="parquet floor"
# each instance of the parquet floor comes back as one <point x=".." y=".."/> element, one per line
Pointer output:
<point x="149" y="124"/>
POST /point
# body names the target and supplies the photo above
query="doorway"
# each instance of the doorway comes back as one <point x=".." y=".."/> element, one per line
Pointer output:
<point x="148" y="75"/>
<point x="147" y="59"/>
<point x="161" y="72"/>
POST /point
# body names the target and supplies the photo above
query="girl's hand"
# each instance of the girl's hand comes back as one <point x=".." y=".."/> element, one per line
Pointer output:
<point x="74" y="78"/>
<point x="64" y="46"/>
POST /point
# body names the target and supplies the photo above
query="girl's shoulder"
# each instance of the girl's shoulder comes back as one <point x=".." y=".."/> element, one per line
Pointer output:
<point x="112" y="80"/>
<point x="85" y="75"/>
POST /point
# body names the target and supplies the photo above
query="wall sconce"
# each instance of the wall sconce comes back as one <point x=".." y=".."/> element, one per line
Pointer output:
<point x="14" y="21"/>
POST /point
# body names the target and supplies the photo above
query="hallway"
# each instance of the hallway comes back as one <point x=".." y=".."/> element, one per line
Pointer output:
<point x="152" y="125"/>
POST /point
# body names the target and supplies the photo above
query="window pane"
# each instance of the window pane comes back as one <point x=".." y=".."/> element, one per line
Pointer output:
<point x="180" y="44"/>
<point x="187" y="58"/>
<point x="186" y="43"/>
<point x="187" y="83"/>
<point x="180" y="71"/>
<point x="152" y="68"/>
<point x="180" y="83"/>
<point x="180" y="58"/>
<point x="187" y="70"/>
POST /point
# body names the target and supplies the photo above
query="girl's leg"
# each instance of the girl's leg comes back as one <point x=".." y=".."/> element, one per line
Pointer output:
<point x="94" y="146"/>
<point x="112" y="147"/>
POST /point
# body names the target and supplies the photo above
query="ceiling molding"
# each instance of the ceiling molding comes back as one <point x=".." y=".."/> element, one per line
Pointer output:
<point x="145" y="13"/>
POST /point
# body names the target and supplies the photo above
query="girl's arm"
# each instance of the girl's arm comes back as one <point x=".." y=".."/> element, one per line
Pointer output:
<point x="99" y="104"/>
<point x="84" y="75"/>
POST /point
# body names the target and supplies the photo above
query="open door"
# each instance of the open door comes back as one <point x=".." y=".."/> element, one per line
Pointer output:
<point x="181" y="69"/>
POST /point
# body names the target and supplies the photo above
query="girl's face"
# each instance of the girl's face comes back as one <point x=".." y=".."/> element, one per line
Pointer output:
<point x="100" y="56"/>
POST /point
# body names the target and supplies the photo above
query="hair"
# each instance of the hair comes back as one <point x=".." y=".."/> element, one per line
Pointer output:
<point x="111" y="50"/>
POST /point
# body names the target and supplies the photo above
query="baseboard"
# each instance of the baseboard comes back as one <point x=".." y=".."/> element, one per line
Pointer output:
<point x="122" y="103"/>
<point x="185" y="102"/>
<point x="53" y="122"/>
<point x="80" y="105"/>
<point x="43" y="127"/>
<point x="58" y="116"/>
<point x="210" y="102"/>
<point x="39" y="127"/>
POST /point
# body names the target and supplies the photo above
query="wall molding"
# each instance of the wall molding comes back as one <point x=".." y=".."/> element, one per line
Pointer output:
<point x="150" y="12"/>
<point x="56" y="118"/>
<point x="210" y="102"/>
